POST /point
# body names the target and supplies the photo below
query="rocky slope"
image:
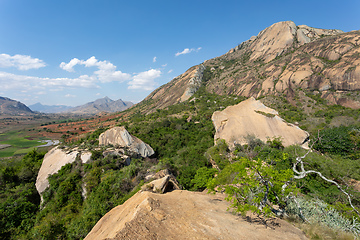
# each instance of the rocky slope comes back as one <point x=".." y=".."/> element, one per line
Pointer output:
<point x="184" y="215"/>
<point x="101" y="105"/>
<point x="282" y="59"/>
<point x="12" y="107"/>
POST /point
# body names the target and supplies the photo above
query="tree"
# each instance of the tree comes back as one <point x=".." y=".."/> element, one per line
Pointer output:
<point x="255" y="185"/>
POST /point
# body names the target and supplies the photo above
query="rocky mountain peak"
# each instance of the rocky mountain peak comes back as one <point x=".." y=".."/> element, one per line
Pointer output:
<point x="279" y="37"/>
<point x="283" y="59"/>
<point x="101" y="105"/>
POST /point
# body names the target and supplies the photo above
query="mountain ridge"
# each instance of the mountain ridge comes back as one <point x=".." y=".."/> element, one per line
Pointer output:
<point x="12" y="107"/>
<point x="38" y="107"/>
<point x="100" y="105"/>
<point x="283" y="59"/>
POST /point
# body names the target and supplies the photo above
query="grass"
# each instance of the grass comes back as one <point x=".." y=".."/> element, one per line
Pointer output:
<point x="316" y="231"/>
<point x="19" y="144"/>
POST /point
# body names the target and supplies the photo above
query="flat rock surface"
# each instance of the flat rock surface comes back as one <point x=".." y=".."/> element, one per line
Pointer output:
<point x="184" y="215"/>
<point x="251" y="117"/>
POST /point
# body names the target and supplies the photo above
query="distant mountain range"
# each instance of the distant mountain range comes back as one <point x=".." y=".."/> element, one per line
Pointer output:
<point x="12" y="107"/>
<point x="38" y="107"/>
<point x="101" y="105"/>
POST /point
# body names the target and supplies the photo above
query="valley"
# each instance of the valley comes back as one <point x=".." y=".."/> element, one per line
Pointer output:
<point x="272" y="127"/>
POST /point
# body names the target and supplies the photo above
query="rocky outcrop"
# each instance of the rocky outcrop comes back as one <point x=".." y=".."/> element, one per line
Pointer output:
<point x="279" y="37"/>
<point x="194" y="83"/>
<point x="252" y="118"/>
<point x="165" y="184"/>
<point x="53" y="161"/>
<point x="184" y="215"/>
<point x="179" y="89"/>
<point x="120" y="137"/>
<point x="281" y="59"/>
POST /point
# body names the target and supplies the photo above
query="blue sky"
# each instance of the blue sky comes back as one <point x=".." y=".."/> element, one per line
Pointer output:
<point x="73" y="52"/>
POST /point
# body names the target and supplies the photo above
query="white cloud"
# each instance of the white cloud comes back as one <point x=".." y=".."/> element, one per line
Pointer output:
<point x="187" y="50"/>
<point x="69" y="96"/>
<point x="21" y="62"/>
<point x="106" y="73"/>
<point x="10" y="81"/>
<point x="98" y="94"/>
<point x="164" y="65"/>
<point x="145" y="80"/>
<point x="170" y="71"/>
<point x="69" y="66"/>
<point x="154" y="59"/>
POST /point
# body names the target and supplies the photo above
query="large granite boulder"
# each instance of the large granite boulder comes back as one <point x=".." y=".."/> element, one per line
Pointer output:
<point x="54" y="160"/>
<point x="252" y="118"/>
<point x="120" y="137"/>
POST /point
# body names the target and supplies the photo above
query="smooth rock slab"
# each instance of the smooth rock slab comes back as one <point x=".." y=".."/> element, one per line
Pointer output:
<point x="251" y="117"/>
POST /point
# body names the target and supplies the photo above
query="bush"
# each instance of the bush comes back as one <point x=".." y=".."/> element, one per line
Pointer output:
<point x="336" y="140"/>
<point x="318" y="212"/>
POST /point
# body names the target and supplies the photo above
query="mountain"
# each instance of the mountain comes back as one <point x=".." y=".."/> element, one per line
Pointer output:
<point x="101" y="105"/>
<point x="48" y="108"/>
<point x="12" y="107"/>
<point x="284" y="59"/>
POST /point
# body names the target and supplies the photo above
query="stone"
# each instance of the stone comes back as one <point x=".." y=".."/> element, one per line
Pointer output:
<point x="120" y="137"/>
<point x="252" y="118"/>
<point x="185" y="215"/>
<point x="53" y="161"/>
<point x="166" y="184"/>
<point x="163" y="182"/>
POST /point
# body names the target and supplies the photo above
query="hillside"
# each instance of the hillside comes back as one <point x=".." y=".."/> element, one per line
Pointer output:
<point x="208" y="134"/>
<point x="12" y="107"/>
<point x="284" y="59"/>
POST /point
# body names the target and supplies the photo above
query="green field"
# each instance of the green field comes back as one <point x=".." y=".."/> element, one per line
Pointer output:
<point x="19" y="144"/>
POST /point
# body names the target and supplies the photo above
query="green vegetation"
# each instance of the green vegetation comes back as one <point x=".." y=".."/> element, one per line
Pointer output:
<point x="269" y="115"/>
<point x="260" y="178"/>
<point x="252" y="175"/>
<point x="19" y="200"/>
<point x="344" y="141"/>
<point x="19" y="144"/>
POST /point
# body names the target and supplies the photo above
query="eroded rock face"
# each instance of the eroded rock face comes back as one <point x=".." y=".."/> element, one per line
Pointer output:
<point x="253" y="118"/>
<point x="183" y="215"/>
<point x="119" y="136"/>
<point x="276" y="39"/>
<point x="53" y="161"/>
<point x="281" y="60"/>
<point x="194" y="83"/>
